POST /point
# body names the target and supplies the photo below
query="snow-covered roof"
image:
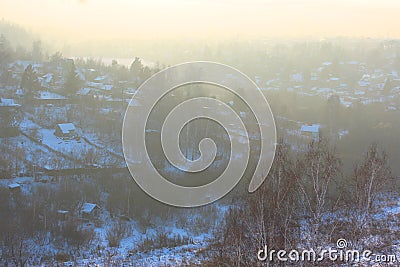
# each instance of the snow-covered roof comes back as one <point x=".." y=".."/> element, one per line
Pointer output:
<point x="66" y="127"/>
<point x="84" y="91"/>
<point x="110" y="99"/>
<point x="130" y="91"/>
<point x="14" y="186"/>
<point x="62" y="211"/>
<point x="100" y="78"/>
<point x="5" y="102"/>
<point x="88" y="207"/>
<point x="45" y="95"/>
<point x="20" y="92"/>
<point x="310" y="128"/>
<point x="101" y="86"/>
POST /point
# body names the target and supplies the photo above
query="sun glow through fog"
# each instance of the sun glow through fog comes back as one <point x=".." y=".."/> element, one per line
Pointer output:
<point x="126" y="19"/>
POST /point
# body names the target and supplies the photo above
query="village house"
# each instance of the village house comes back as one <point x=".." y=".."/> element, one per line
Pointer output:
<point x="14" y="187"/>
<point x="65" y="130"/>
<point x="5" y="102"/>
<point x="50" y="98"/>
<point x="311" y="130"/>
<point x="89" y="210"/>
<point x="62" y="214"/>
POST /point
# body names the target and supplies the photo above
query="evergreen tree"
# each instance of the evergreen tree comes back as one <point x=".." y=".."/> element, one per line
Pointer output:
<point x="72" y="82"/>
<point x="29" y="80"/>
<point x="136" y="68"/>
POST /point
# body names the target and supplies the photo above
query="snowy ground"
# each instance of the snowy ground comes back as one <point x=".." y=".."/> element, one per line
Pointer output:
<point x="36" y="154"/>
<point x="79" y="149"/>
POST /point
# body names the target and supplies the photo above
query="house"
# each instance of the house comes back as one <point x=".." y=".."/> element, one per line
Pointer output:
<point x="46" y="97"/>
<point x="62" y="214"/>
<point x="89" y="210"/>
<point x="65" y="130"/>
<point x="5" y="102"/>
<point x="311" y="130"/>
<point x="14" y="187"/>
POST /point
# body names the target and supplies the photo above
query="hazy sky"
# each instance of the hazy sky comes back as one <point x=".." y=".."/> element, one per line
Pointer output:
<point x="148" y="19"/>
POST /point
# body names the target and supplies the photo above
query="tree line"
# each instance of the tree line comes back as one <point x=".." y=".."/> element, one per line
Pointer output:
<point x="306" y="201"/>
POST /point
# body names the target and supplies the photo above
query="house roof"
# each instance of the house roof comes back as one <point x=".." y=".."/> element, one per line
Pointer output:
<point x="88" y="207"/>
<point x="100" y="86"/>
<point x="5" y="102"/>
<point x="66" y="127"/>
<point x="310" y="128"/>
<point x="45" y="95"/>
<point x="20" y="92"/>
<point x="62" y="211"/>
<point x="14" y="186"/>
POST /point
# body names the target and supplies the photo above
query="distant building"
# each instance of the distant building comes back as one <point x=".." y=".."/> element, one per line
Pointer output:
<point x="14" y="187"/>
<point x="311" y="130"/>
<point x="65" y="130"/>
<point x="8" y="103"/>
<point x="62" y="214"/>
<point x="89" y="210"/>
<point x="46" y="97"/>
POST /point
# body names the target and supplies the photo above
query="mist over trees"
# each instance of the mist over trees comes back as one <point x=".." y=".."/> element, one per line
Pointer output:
<point x="334" y="186"/>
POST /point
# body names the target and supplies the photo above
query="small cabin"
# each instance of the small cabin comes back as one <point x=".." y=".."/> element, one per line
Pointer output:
<point x="8" y="103"/>
<point x="311" y="130"/>
<point x="89" y="210"/>
<point x="62" y="214"/>
<point x="14" y="187"/>
<point x="49" y="98"/>
<point x="65" y="130"/>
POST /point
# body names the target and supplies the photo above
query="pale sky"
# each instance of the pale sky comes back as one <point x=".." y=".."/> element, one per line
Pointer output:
<point x="148" y="19"/>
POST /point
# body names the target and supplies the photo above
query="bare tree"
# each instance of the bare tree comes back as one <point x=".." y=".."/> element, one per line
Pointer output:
<point x="316" y="172"/>
<point x="115" y="233"/>
<point x="76" y="235"/>
<point x="368" y="179"/>
<point x="273" y="205"/>
<point x="265" y="218"/>
<point x="18" y="248"/>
